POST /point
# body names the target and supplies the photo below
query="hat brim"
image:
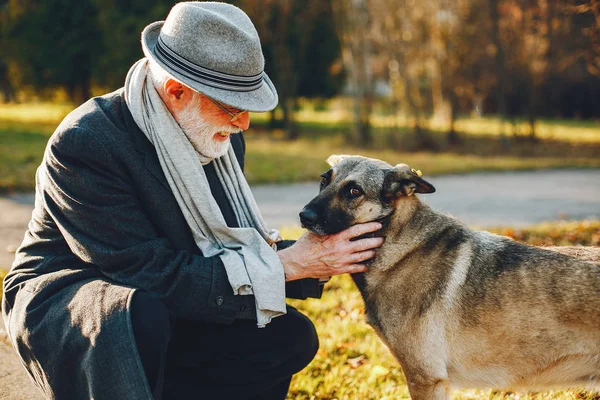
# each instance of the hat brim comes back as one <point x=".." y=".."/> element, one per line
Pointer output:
<point x="260" y="100"/>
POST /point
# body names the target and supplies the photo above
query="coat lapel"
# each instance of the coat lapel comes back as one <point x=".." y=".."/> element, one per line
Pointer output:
<point x="144" y="147"/>
<point x="153" y="165"/>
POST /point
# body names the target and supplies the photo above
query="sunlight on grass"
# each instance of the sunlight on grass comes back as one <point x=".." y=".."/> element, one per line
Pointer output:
<point x="574" y="131"/>
<point x="2" y="275"/>
<point x="25" y="128"/>
<point x="269" y="161"/>
<point x="339" y="112"/>
<point x="34" y="112"/>
<point x="353" y="364"/>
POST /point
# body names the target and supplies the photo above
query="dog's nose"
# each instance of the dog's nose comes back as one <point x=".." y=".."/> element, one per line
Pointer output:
<point x="308" y="217"/>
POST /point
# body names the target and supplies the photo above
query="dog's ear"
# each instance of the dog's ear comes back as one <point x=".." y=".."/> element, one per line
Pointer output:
<point x="336" y="158"/>
<point x="403" y="181"/>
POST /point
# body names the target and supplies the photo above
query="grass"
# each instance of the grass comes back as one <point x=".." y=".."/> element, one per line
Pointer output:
<point x="269" y="161"/>
<point x="336" y="114"/>
<point x="2" y="275"/>
<point x="352" y="363"/>
<point x="25" y="128"/>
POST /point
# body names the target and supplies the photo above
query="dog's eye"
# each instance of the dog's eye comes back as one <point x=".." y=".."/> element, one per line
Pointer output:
<point x="355" y="192"/>
<point x="324" y="180"/>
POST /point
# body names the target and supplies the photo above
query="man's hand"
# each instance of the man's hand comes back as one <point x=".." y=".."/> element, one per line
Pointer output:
<point x="314" y="256"/>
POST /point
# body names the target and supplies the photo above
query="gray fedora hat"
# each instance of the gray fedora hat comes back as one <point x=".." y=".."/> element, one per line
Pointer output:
<point x="214" y="49"/>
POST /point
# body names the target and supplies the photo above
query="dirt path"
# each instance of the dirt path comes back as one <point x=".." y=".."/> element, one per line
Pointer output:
<point x="14" y="382"/>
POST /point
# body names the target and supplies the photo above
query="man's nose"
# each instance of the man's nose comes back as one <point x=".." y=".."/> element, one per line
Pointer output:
<point x="242" y="121"/>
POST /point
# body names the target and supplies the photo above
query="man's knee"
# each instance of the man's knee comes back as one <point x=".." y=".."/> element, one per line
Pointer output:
<point x="151" y="323"/>
<point x="306" y="342"/>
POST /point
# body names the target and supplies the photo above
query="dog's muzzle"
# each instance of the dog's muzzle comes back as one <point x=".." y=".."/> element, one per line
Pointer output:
<point x="308" y="217"/>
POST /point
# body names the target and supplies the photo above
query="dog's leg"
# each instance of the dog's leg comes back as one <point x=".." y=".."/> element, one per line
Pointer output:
<point x="427" y="381"/>
<point x="425" y="388"/>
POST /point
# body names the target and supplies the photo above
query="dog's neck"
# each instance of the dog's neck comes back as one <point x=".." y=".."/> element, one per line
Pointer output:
<point x="401" y="221"/>
<point x="405" y="230"/>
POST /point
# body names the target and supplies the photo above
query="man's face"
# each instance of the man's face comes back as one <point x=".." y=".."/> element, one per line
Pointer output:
<point x="208" y="126"/>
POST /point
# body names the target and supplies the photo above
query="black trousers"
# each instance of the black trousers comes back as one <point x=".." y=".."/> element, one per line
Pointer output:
<point x="186" y="359"/>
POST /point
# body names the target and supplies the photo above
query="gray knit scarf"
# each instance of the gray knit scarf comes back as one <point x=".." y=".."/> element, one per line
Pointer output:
<point x="252" y="265"/>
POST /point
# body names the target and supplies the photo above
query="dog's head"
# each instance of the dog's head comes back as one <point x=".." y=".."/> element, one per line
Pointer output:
<point x="358" y="189"/>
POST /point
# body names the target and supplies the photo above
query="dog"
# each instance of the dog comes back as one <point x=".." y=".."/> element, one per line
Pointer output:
<point x="458" y="307"/>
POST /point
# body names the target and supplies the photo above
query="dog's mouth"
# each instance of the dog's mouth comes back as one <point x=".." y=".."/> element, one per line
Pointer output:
<point x="321" y="227"/>
<point x="313" y="226"/>
<point x="309" y="220"/>
<point x="316" y="229"/>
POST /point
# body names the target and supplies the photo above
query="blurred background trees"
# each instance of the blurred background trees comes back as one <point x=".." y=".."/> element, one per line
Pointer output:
<point x="422" y="61"/>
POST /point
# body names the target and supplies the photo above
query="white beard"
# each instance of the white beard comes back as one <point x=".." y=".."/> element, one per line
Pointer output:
<point x="200" y="133"/>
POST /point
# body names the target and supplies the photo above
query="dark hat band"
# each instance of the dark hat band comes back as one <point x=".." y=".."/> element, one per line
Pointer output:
<point x="204" y="75"/>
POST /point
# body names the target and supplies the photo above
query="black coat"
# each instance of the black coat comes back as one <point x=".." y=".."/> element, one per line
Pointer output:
<point x="106" y="224"/>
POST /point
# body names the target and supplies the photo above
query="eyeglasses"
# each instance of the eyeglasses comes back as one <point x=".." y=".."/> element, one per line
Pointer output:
<point x="233" y="116"/>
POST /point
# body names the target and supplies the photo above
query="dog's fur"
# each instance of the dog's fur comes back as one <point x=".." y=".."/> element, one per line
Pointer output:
<point x="457" y="307"/>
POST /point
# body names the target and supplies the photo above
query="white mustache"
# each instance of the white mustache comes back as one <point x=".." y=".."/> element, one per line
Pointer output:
<point x="201" y="133"/>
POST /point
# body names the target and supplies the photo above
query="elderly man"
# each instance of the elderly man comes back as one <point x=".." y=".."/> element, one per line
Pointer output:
<point x="147" y="271"/>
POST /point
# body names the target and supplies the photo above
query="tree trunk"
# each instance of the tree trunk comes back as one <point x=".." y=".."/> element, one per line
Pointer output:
<point x="288" y="120"/>
<point x="532" y="111"/>
<point x="353" y="24"/>
<point x="498" y="62"/>
<point x="8" y="92"/>
<point x="437" y="94"/>
<point x="72" y="93"/>
<point x="453" y="138"/>
<point x="272" y="119"/>
<point x="363" y="130"/>
<point x="86" y="91"/>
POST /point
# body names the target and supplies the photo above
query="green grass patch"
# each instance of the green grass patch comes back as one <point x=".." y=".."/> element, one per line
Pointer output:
<point x="21" y="152"/>
<point x="25" y="129"/>
<point x="24" y="132"/>
<point x="352" y="363"/>
<point x="278" y="161"/>
<point x="338" y="115"/>
<point x="34" y="113"/>
<point x="2" y="275"/>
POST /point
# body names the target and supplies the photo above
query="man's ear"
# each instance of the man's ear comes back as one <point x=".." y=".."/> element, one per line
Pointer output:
<point x="402" y="181"/>
<point x="173" y="89"/>
<point x="176" y="95"/>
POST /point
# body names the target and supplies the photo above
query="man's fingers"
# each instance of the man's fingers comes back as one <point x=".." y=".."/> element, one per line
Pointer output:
<point x="359" y="229"/>
<point x="362" y="256"/>
<point x="356" y="268"/>
<point x="351" y="269"/>
<point x="366" y="244"/>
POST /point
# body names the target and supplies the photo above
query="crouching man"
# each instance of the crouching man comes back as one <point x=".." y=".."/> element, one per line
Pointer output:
<point x="147" y="270"/>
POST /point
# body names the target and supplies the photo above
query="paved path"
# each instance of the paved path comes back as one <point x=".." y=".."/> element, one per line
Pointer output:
<point x="484" y="200"/>
<point x="14" y="382"/>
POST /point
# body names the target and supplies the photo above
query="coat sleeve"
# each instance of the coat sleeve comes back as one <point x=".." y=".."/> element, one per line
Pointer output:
<point x="92" y="200"/>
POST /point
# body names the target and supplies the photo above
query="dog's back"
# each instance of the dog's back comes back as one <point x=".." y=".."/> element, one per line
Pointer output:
<point x="583" y="253"/>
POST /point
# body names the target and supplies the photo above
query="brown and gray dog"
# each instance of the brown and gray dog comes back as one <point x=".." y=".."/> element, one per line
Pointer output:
<point x="457" y="307"/>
